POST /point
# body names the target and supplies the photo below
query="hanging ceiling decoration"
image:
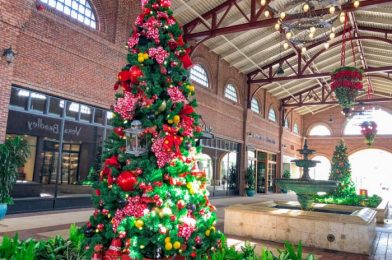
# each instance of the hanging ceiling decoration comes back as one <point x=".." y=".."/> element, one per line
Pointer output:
<point x="306" y="25"/>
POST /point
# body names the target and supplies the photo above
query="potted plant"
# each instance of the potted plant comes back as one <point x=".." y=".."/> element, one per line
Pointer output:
<point x="250" y="182"/>
<point x="13" y="155"/>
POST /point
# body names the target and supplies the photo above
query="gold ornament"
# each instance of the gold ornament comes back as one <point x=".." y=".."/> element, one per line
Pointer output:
<point x="139" y="223"/>
<point x="168" y="246"/>
<point x="170" y="121"/>
<point x="191" y="88"/>
<point x="176" y="119"/>
<point x="167" y="240"/>
<point x="208" y="232"/>
<point x="177" y="245"/>
<point x="145" y="56"/>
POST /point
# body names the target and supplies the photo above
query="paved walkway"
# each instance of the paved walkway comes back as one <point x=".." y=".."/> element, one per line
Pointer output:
<point x="48" y="224"/>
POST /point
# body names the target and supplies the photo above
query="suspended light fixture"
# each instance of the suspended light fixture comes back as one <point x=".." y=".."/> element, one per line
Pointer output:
<point x="263" y="2"/>
<point x="303" y="50"/>
<point x="326" y="45"/>
<point x="277" y="26"/>
<point x="332" y="10"/>
<point x="282" y="15"/>
<point x="356" y="3"/>
<point x="306" y="7"/>
<point x="289" y="35"/>
<point x="285" y="45"/>
<point x="266" y="13"/>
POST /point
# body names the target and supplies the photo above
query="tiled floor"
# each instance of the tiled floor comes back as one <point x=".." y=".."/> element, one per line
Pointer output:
<point x="48" y="224"/>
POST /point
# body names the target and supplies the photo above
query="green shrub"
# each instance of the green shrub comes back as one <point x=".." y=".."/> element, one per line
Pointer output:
<point x="13" y="155"/>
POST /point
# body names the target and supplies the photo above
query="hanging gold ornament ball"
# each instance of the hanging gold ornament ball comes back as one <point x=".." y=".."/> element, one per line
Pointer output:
<point x="168" y="246"/>
<point x="177" y="245"/>
<point x="145" y="56"/>
<point x="189" y="185"/>
<point x="176" y="119"/>
<point x="170" y="121"/>
<point x="208" y="232"/>
<point x="167" y="240"/>
<point x="140" y="59"/>
<point x="191" y="191"/>
<point x="213" y="229"/>
<point x="139" y="223"/>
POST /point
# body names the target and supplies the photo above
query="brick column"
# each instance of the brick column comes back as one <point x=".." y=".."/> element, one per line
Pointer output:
<point x="13" y="15"/>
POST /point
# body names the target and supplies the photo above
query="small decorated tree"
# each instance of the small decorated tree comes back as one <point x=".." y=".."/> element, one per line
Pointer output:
<point x="151" y="200"/>
<point x="341" y="172"/>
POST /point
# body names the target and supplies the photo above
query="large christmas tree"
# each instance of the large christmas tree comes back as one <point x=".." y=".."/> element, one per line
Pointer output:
<point x="341" y="172"/>
<point x="151" y="201"/>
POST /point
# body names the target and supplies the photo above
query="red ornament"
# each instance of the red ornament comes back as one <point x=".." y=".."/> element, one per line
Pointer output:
<point x="134" y="74"/>
<point x="155" y="5"/>
<point x="139" y="171"/>
<point x="97" y="192"/>
<point x="119" y="131"/>
<point x="112" y="161"/>
<point x="124" y="75"/>
<point x="126" y="180"/>
<point x="173" y="218"/>
<point x="114" y="250"/>
<point x="147" y="11"/>
<point x="100" y="226"/>
<point x="180" y="204"/>
<point x="193" y="254"/>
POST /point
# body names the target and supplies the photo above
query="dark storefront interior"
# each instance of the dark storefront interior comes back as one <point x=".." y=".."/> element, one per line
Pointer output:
<point x="65" y="139"/>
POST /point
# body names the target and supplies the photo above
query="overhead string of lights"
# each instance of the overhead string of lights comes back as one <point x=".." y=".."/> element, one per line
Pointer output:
<point x="302" y="24"/>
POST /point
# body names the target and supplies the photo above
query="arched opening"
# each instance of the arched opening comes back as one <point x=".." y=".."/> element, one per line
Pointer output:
<point x="381" y="117"/>
<point x="204" y="163"/>
<point x="322" y="169"/>
<point x="231" y="93"/>
<point x="319" y="130"/>
<point x="228" y="175"/>
<point x="199" y="75"/>
<point x="371" y="171"/>
<point x="272" y="114"/>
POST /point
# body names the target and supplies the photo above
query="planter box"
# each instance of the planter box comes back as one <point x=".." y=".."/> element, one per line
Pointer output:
<point x="382" y="211"/>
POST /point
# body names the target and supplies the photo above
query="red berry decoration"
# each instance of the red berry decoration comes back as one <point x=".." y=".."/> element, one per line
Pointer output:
<point x="97" y="192"/>
<point x="173" y="218"/>
<point x="165" y="3"/>
<point x="135" y="73"/>
<point x="126" y="180"/>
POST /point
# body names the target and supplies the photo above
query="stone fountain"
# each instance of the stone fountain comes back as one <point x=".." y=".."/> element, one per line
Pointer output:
<point x="305" y="187"/>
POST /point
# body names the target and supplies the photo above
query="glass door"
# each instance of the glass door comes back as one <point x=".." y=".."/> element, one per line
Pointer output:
<point x="271" y="172"/>
<point x="261" y="172"/>
<point x="70" y="163"/>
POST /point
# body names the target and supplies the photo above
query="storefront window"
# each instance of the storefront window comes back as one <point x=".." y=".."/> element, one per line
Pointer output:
<point x="55" y="107"/>
<point x="99" y="116"/>
<point x="19" y="98"/>
<point x="65" y="152"/>
<point x="72" y="110"/>
<point x="38" y="102"/>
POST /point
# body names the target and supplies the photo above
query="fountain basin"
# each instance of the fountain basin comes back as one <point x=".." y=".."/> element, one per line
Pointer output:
<point x="341" y="228"/>
<point x="305" y="164"/>
<point x="310" y="187"/>
<point x="306" y="189"/>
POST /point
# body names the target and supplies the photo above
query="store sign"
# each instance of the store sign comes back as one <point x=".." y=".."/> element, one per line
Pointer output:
<point x="262" y="138"/>
<point x="39" y="124"/>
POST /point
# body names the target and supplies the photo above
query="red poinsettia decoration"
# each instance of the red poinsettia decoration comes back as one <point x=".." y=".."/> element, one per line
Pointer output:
<point x="369" y="130"/>
<point x="346" y="83"/>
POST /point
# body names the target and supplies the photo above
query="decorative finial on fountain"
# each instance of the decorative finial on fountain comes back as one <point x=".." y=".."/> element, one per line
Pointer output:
<point x="306" y="143"/>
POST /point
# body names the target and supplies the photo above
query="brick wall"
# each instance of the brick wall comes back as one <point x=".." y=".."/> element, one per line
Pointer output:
<point x="335" y="121"/>
<point x="59" y="56"/>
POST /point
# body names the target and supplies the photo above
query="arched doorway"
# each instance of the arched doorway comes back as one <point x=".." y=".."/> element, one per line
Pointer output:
<point x="371" y="171"/>
<point x="204" y="163"/>
<point x="322" y="169"/>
